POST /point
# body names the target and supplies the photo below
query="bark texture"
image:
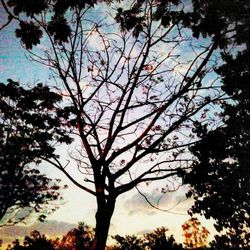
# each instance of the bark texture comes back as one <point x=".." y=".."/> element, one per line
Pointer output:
<point x="103" y="217"/>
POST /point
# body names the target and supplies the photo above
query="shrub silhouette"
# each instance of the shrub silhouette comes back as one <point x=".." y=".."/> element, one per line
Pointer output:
<point x="35" y="241"/>
<point x="156" y="240"/>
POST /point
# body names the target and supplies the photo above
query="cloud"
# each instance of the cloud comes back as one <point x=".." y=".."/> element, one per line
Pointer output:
<point x="138" y="204"/>
<point x="175" y="202"/>
<point x="51" y="228"/>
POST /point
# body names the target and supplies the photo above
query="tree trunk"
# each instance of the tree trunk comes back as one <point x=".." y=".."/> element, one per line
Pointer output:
<point x="103" y="218"/>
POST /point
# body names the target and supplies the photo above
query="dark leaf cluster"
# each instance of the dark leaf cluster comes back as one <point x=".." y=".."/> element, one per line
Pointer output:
<point x="134" y="18"/>
<point x="29" y="127"/>
<point x="227" y="21"/>
<point x="36" y="241"/>
<point x="30" y="31"/>
<point x="59" y="28"/>
<point x="29" y="7"/>
<point x="220" y="179"/>
<point x="29" y="34"/>
<point x="61" y="6"/>
<point x="130" y="19"/>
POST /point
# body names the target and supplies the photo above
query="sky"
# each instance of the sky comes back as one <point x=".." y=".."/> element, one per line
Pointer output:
<point x="132" y="214"/>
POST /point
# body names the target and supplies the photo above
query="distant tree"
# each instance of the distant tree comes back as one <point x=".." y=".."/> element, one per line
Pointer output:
<point x="80" y="238"/>
<point x="28" y="131"/>
<point x="195" y="235"/>
<point x="35" y="241"/>
<point x="135" y="94"/>
<point x="158" y="240"/>
<point x="129" y="242"/>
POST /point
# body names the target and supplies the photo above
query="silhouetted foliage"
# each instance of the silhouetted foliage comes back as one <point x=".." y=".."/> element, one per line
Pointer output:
<point x="29" y="33"/>
<point x="80" y="238"/>
<point x="156" y="240"/>
<point x="35" y="241"/>
<point x="29" y="127"/>
<point x="25" y="12"/>
<point x="231" y="19"/>
<point x="220" y="178"/>
<point x="129" y="242"/>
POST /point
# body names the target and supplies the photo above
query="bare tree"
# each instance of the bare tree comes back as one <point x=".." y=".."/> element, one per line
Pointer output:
<point x="135" y="99"/>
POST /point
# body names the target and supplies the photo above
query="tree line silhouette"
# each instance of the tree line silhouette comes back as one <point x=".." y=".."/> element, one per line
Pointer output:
<point x="81" y="238"/>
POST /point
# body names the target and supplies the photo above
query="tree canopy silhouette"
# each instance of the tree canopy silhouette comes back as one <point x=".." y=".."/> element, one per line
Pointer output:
<point x="28" y="131"/>
<point x="129" y="242"/>
<point x="220" y="178"/>
<point x="80" y="238"/>
<point x="136" y="94"/>
<point x="156" y="240"/>
<point x="36" y="241"/>
<point x="26" y="12"/>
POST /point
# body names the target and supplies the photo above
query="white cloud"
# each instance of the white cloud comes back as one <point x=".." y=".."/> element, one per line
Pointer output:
<point x="169" y="202"/>
<point x="51" y="228"/>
